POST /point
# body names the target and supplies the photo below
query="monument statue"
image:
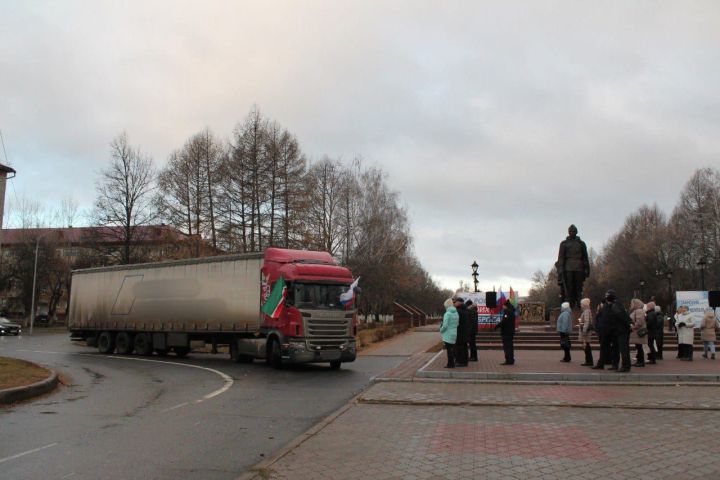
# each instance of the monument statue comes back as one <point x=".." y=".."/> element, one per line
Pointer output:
<point x="573" y="267"/>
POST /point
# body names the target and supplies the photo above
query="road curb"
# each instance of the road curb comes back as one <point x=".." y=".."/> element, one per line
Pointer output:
<point x="17" y="394"/>
<point x="257" y="471"/>
<point x="543" y="382"/>
<point x="612" y="378"/>
<point x="480" y="403"/>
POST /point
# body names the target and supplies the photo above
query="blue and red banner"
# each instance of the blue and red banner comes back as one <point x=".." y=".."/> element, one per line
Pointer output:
<point x="489" y="317"/>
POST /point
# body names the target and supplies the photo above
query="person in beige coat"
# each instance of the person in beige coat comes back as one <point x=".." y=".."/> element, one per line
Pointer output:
<point x="586" y="329"/>
<point x="637" y="315"/>
<point x="707" y="333"/>
<point x="685" y="332"/>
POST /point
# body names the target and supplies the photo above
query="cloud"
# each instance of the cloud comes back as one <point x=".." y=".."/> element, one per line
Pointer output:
<point x="500" y="123"/>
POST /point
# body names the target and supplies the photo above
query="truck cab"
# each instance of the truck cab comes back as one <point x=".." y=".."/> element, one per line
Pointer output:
<point x="314" y="326"/>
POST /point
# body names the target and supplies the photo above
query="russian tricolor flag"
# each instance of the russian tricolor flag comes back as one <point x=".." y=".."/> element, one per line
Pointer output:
<point x="348" y="298"/>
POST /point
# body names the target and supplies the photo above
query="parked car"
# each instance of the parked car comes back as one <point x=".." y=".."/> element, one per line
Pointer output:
<point x="9" y="328"/>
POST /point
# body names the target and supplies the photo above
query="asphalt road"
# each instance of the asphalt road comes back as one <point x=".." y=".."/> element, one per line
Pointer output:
<point x="154" y="418"/>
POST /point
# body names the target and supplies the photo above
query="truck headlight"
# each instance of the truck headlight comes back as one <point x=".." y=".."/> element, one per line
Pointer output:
<point x="296" y="346"/>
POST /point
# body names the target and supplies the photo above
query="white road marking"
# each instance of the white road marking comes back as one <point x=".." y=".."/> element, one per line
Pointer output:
<point x="228" y="380"/>
<point x="2" y="460"/>
<point x="430" y="361"/>
<point x="175" y="407"/>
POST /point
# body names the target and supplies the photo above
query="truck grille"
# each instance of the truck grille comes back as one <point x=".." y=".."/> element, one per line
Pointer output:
<point x="326" y="330"/>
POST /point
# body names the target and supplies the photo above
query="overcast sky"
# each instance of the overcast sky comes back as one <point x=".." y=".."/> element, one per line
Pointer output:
<point x="500" y="123"/>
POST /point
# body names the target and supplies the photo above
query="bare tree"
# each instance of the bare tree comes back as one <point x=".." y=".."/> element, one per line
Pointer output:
<point x="125" y="200"/>
<point x="325" y="189"/>
<point x="695" y="225"/>
<point x="26" y="213"/>
<point x="190" y="187"/>
<point x="66" y="214"/>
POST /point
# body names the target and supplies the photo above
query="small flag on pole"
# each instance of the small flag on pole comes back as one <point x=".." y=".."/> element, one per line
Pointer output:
<point x="276" y="300"/>
<point x="347" y="298"/>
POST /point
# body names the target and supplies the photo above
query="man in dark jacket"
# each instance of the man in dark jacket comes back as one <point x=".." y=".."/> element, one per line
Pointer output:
<point x="619" y="328"/>
<point x="461" y="352"/>
<point x="660" y="332"/>
<point x="473" y="329"/>
<point x="601" y="321"/>
<point x="507" y="333"/>
<point x="651" y="321"/>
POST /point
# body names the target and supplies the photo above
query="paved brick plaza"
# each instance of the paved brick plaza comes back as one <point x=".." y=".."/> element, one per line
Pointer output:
<point x="407" y="427"/>
<point x="454" y="442"/>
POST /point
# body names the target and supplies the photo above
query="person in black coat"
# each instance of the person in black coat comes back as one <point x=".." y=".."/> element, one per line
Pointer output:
<point x="619" y="328"/>
<point x="463" y="331"/>
<point x="651" y="320"/>
<point x="507" y="333"/>
<point x="660" y="332"/>
<point x="473" y="329"/>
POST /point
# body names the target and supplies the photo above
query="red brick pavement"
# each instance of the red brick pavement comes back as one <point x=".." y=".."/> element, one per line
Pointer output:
<point x="514" y="440"/>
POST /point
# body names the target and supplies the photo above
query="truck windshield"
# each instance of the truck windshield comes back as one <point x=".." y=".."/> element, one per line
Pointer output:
<point x="317" y="295"/>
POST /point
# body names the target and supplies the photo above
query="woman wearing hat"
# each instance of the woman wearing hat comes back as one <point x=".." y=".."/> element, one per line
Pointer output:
<point x="448" y="331"/>
<point x="707" y="333"/>
<point x="686" y="333"/>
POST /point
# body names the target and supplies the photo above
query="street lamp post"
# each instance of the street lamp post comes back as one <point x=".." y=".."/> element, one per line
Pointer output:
<point x="32" y="302"/>
<point x="669" y="279"/>
<point x="642" y="288"/>
<point x="702" y="263"/>
<point x="475" y="274"/>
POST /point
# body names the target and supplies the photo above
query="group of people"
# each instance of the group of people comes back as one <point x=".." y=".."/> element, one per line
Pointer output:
<point x="642" y="325"/>
<point x="685" y="328"/>
<point x="616" y="327"/>
<point x="459" y="332"/>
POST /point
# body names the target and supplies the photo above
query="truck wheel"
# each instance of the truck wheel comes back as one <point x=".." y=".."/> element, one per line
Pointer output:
<point x="181" y="352"/>
<point x="106" y="343"/>
<point x="143" y="344"/>
<point x="335" y="365"/>
<point x="273" y="354"/>
<point x="124" y="343"/>
<point x="236" y="356"/>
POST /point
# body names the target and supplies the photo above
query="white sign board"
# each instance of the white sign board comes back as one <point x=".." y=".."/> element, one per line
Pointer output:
<point x="697" y="303"/>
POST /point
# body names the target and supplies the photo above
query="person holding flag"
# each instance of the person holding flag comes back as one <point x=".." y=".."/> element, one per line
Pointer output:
<point x="514" y="301"/>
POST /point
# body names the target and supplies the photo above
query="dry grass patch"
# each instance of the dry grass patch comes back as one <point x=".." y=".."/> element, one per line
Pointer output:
<point x="16" y="373"/>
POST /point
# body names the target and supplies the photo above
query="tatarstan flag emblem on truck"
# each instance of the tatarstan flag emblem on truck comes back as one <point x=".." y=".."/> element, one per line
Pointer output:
<point x="276" y="301"/>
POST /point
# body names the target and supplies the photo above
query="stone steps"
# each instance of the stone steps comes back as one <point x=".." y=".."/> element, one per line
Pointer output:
<point x="539" y="340"/>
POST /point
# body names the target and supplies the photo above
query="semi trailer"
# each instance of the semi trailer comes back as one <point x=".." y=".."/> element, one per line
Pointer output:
<point x="162" y="307"/>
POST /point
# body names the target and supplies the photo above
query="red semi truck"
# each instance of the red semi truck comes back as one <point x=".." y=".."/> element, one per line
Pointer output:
<point x="162" y="307"/>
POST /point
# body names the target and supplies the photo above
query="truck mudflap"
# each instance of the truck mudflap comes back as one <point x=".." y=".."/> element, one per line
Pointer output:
<point x="298" y="351"/>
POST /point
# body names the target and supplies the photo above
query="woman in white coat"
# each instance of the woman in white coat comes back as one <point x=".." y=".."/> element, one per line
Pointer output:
<point x="686" y="333"/>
